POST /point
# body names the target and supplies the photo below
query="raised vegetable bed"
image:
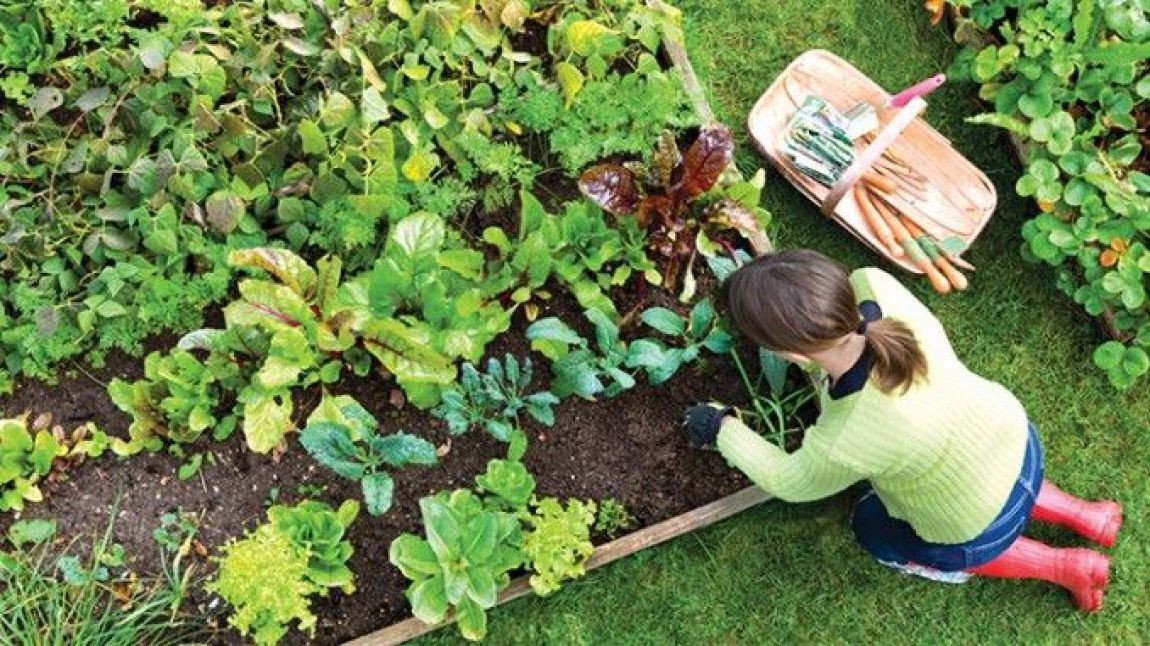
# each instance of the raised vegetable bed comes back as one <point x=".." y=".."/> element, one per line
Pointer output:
<point x="627" y="448"/>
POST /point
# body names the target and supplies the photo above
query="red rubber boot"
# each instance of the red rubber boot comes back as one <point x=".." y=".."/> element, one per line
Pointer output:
<point x="1097" y="521"/>
<point x="1084" y="573"/>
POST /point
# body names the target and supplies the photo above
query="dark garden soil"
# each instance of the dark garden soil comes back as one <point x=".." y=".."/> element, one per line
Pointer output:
<point x="630" y="448"/>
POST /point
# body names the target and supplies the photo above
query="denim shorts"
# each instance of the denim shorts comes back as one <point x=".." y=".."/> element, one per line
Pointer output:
<point x="894" y="541"/>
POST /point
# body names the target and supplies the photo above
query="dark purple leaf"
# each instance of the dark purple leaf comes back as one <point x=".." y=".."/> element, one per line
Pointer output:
<point x="656" y="208"/>
<point x="612" y="187"/>
<point x="704" y="162"/>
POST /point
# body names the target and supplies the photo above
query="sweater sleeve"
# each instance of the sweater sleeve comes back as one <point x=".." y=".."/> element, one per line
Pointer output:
<point x="807" y="474"/>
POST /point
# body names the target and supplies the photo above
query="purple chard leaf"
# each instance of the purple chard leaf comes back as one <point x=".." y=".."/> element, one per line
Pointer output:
<point x="612" y="187"/>
<point x="704" y="162"/>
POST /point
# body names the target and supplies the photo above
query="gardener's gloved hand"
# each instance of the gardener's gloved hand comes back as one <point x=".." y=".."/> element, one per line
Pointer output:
<point x="703" y="422"/>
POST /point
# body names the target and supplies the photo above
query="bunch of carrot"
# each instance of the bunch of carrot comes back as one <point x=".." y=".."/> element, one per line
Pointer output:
<point x="903" y="237"/>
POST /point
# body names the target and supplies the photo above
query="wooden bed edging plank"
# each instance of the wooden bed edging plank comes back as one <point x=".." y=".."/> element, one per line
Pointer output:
<point x="677" y="52"/>
<point x="700" y="517"/>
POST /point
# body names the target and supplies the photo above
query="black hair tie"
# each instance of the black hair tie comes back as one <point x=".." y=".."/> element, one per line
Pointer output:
<point x="861" y="329"/>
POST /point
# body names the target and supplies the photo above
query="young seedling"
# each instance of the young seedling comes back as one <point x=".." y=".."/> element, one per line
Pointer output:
<point x="494" y="400"/>
<point x="341" y="436"/>
<point x="700" y="330"/>
<point x="509" y="481"/>
<point x="578" y="368"/>
<point x="612" y="517"/>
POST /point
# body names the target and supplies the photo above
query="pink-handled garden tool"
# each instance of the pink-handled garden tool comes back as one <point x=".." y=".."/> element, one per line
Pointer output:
<point x="918" y="89"/>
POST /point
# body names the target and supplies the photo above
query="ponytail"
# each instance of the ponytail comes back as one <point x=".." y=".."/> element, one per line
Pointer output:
<point x="898" y="360"/>
<point x="801" y="301"/>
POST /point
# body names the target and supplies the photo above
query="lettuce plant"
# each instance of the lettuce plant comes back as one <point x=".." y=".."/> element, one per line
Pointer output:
<point x="341" y="436"/>
<point x="510" y="483"/>
<point x="493" y="400"/>
<point x="176" y="400"/>
<point x="264" y="576"/>
<point x="463" y="562"/>
<point x="321" y="531"/>
<point x="269" y="575"/>
<point x="25" y="458"/>
<point x="558" y="542"/>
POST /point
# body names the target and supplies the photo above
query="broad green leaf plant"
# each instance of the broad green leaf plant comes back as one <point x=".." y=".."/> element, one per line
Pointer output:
<point x="1067" y="79"/>
<point x="26" y="456"/>
<point x="473" y="542"/>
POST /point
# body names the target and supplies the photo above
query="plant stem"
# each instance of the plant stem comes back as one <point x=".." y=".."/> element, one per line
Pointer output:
<point x="762" y="414"/>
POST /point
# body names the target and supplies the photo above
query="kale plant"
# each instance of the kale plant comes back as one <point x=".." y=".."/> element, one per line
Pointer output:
<point x="495" y="399"/>
<point x="341" y="435"/>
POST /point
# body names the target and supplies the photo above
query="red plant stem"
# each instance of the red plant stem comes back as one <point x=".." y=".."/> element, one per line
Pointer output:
<point x="279" y="316"/>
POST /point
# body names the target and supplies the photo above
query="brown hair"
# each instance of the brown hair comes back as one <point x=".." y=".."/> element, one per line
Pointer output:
<point x="801" y="301"/>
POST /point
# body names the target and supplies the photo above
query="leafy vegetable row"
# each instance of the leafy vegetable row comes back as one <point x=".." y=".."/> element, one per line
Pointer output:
<point x="141" y="142"/>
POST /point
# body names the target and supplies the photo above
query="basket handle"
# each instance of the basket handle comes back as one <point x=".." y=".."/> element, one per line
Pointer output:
<point x="902" y="119"/>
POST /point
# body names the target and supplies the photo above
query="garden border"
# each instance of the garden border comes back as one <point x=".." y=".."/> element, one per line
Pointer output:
<point x="698" y="518"/>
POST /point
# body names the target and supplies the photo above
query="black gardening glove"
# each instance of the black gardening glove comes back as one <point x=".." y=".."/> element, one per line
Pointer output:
<point x="703" y="422"/>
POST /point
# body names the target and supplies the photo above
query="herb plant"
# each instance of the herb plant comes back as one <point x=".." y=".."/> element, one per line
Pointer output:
<point x="775" y="408"/>
<point x="341" y="435"/>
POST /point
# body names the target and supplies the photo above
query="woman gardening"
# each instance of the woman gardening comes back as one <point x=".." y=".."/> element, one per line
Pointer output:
<point x="955" y="466"/>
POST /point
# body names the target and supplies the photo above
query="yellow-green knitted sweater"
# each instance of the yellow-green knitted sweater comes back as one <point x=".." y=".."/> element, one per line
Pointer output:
<point x="944" y="456"/>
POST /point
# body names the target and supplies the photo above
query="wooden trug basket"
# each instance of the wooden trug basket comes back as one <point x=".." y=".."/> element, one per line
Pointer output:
<point x="959" y="197"/>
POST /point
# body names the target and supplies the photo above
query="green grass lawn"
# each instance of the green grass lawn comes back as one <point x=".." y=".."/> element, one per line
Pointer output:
<point x="792" y="572"/>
